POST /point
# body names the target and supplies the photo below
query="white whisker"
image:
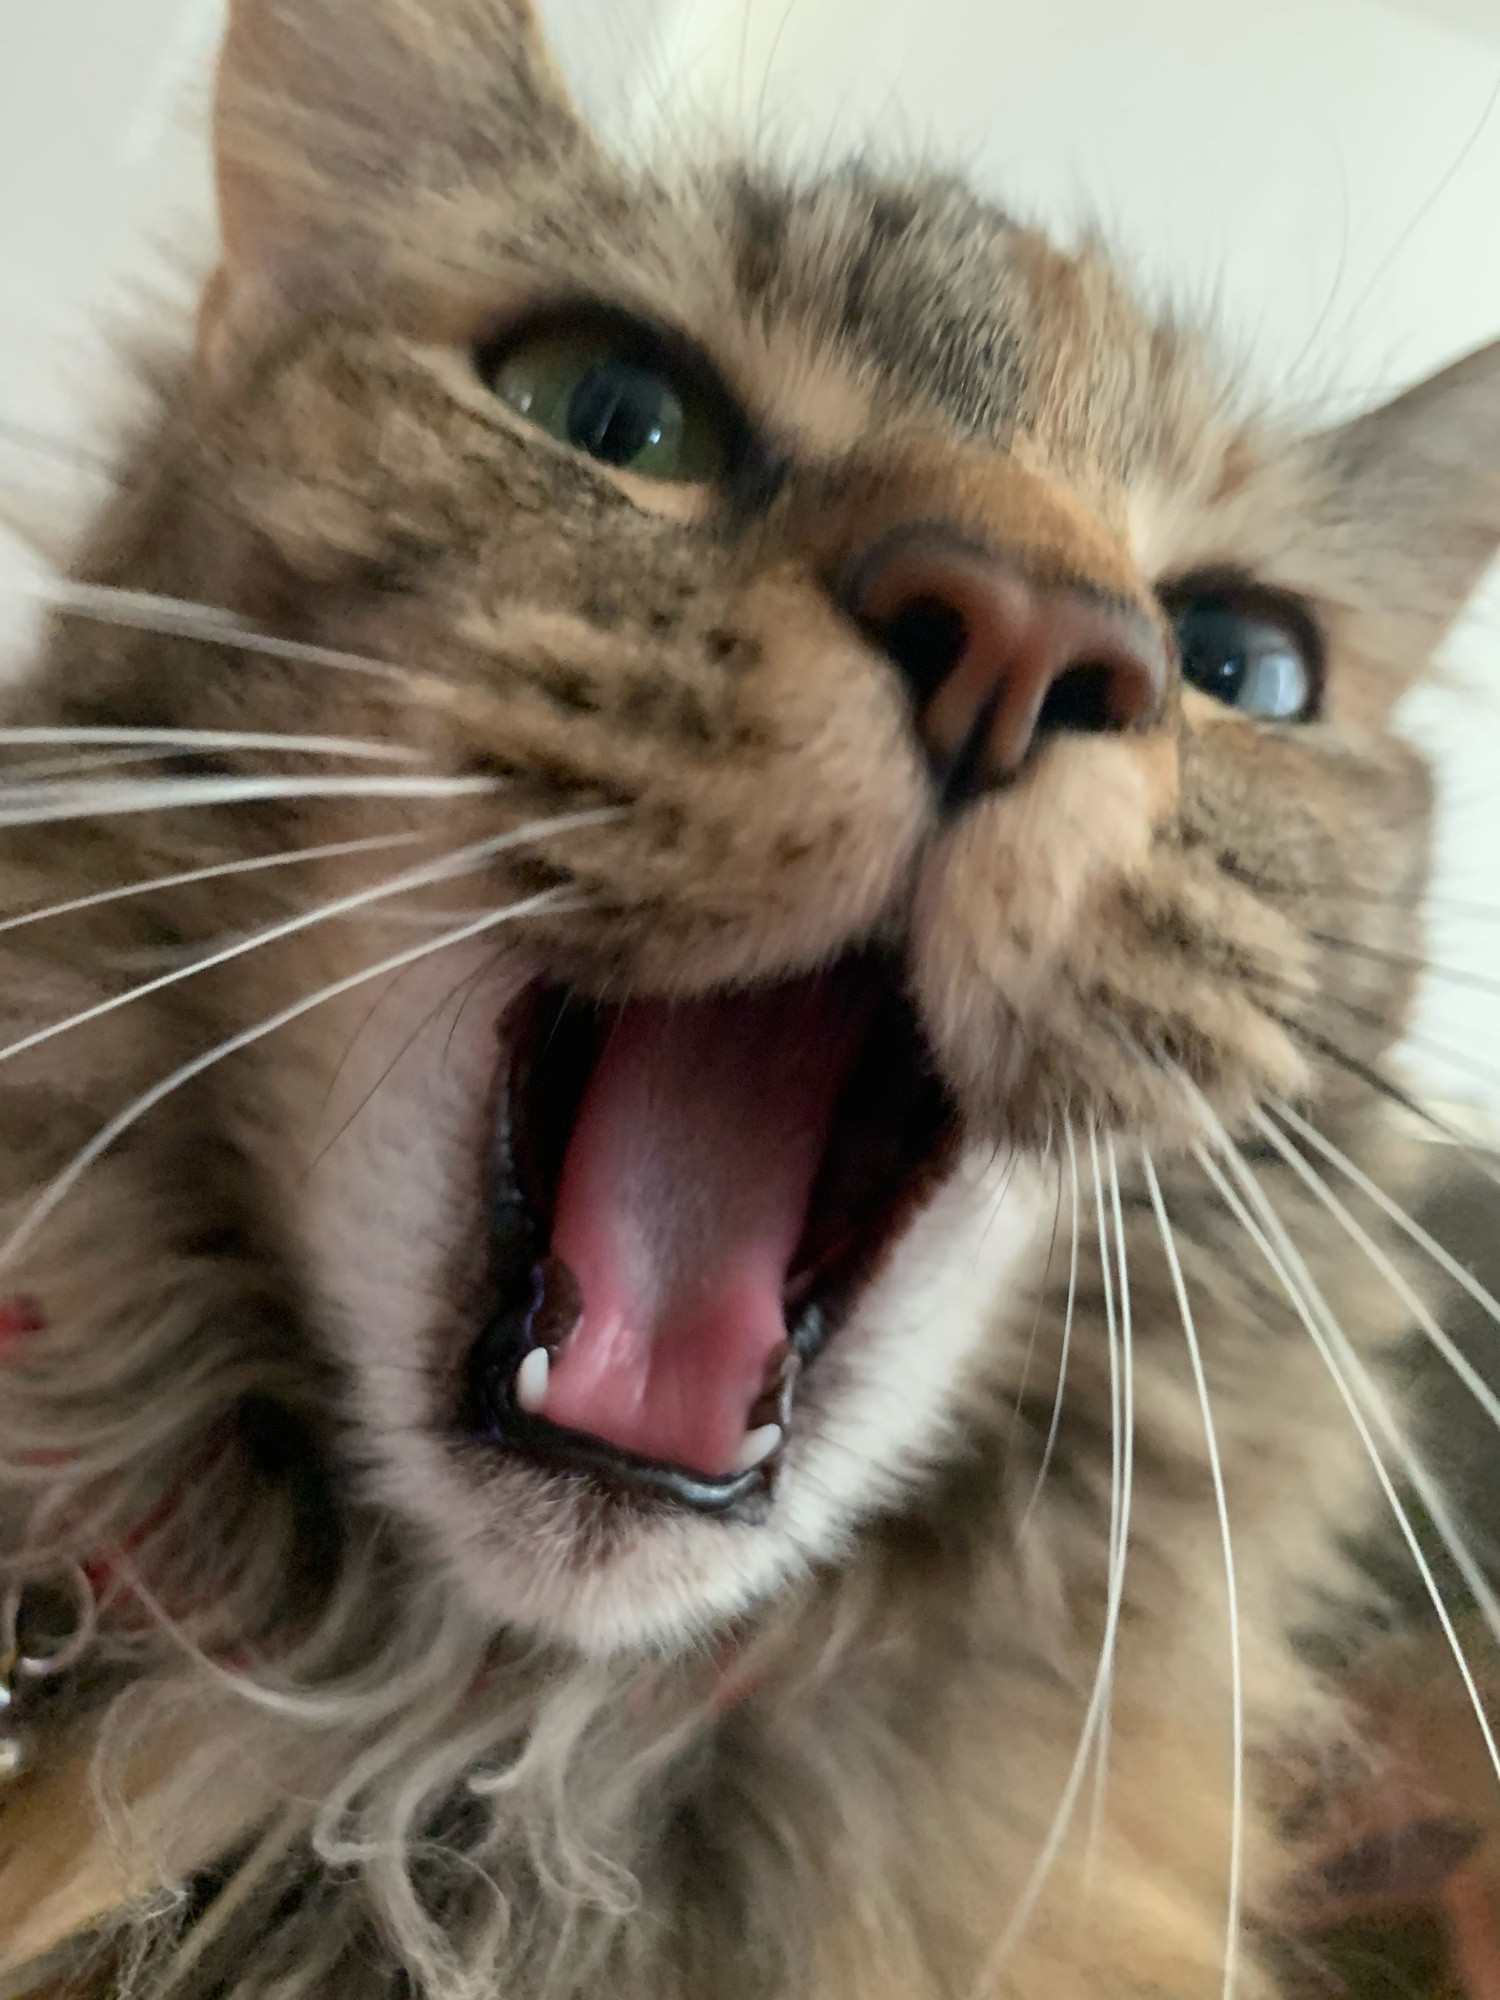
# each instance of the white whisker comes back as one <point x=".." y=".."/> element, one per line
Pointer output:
<point x="1036" y="1318"/>
<point x="204" y="740"/>
<point x="58" y="1190"/>
<point x="462" y="861"/>
<point x="1122" y="1453"/>
<point x="330" y="851"/>
<point x="1427" y="1490"/>
<point x="179" y="618"/>
<point x="1330" y="1341"/>
<point x="1116" y="1469"/>
<point x="1409" y="1226"/>
<point x="415" y="919"/>
<point x="1095" y="1717"/>
<point x="1062" y="1819"/>
<point x="1221" y="1502"/>
<point x="1474" y="1382"/>
<point x="1055" y="1426"/>
<point x="81" y="765"/>
<point x="1112" y="1334"/>
<point x="36" y="805"/>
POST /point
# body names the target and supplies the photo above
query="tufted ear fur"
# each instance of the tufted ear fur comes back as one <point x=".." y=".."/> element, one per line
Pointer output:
<point x="1421" y="479"/>
<point x="1410" y="512"/>
<point x="342" y="134"/>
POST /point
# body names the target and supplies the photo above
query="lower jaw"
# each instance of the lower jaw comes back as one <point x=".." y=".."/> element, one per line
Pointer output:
<point x="580" y="1561"/>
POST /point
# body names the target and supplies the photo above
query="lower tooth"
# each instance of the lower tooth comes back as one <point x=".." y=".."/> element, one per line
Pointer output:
<point x="757" y="1447"/>
<point x="774" y="1403"/>
<point x="531" y="1380"/>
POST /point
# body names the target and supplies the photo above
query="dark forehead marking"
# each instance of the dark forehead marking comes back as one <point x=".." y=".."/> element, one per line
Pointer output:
<point x="759" y="209"/>
<point x="913" y="275"/>
<point x="891" y="213"/>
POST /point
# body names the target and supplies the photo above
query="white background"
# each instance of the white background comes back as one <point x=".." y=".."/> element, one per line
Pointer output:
<point x="1324" y="175"/>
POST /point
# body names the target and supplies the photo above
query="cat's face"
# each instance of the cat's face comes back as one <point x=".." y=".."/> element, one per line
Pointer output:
<point x="935" y="726"/>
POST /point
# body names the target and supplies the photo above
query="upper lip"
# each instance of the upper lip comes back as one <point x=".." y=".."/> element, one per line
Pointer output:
<point x="893" y="1130"/>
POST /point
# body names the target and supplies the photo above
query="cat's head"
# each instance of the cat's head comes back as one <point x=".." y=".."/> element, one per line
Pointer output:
<point x="902" y="724"/>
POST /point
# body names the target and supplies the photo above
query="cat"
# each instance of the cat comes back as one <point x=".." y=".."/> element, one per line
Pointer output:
<point x="673" y="1324"/>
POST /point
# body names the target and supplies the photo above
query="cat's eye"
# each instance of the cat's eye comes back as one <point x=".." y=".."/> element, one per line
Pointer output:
<point x="1245" y="649"/>
<point x="614" y="393"/>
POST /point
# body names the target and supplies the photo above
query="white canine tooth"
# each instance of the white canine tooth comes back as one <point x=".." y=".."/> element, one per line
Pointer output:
<point x="531" y="1380"/>
<point x="757" y="1448"/>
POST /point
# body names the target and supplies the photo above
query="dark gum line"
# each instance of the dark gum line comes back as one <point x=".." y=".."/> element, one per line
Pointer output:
<point x="744" y="1497"/>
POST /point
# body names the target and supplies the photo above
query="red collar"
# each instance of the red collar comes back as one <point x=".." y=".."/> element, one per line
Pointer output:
<point x="19" y="1317"/>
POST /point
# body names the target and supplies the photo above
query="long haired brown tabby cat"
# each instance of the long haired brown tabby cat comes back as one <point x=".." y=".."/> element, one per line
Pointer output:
<point x="636" y="1335"/>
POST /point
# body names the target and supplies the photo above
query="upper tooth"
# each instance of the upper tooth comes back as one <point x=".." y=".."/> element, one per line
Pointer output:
<point x="757" y="1447"/>
<point x="531" y="1380"/>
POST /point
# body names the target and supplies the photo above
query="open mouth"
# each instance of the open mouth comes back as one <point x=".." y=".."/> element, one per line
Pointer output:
<point x="686" y="1198"/>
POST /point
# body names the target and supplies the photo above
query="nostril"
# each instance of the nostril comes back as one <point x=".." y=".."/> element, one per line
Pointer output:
<point x="926" y="638"/>
<point x="1078" y="702"/>
<point x="1093" y="698"/>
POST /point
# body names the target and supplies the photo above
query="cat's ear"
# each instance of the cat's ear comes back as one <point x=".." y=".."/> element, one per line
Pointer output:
<point x="343" y="129"/>
<point x="1412" y="493"/>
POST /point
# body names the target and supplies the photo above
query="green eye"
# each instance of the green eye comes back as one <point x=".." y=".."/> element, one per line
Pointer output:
<point x="609" y="396"/>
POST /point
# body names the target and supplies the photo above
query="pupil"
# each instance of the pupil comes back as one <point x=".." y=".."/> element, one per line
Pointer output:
<point x="616" y="411"/>
<point x="1215" y="655"/>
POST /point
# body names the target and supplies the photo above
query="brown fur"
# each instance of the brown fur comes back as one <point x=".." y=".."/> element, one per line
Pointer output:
<point x="819" y="1755"/>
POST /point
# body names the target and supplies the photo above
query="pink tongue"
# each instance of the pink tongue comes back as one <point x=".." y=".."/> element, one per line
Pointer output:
<point x="682" y="1198"/>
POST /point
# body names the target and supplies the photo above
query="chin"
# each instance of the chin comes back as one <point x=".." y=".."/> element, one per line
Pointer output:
<point x="647" y="1307"/>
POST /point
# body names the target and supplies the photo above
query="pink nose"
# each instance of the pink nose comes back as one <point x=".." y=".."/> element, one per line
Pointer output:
<point x="994" y="660"/>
